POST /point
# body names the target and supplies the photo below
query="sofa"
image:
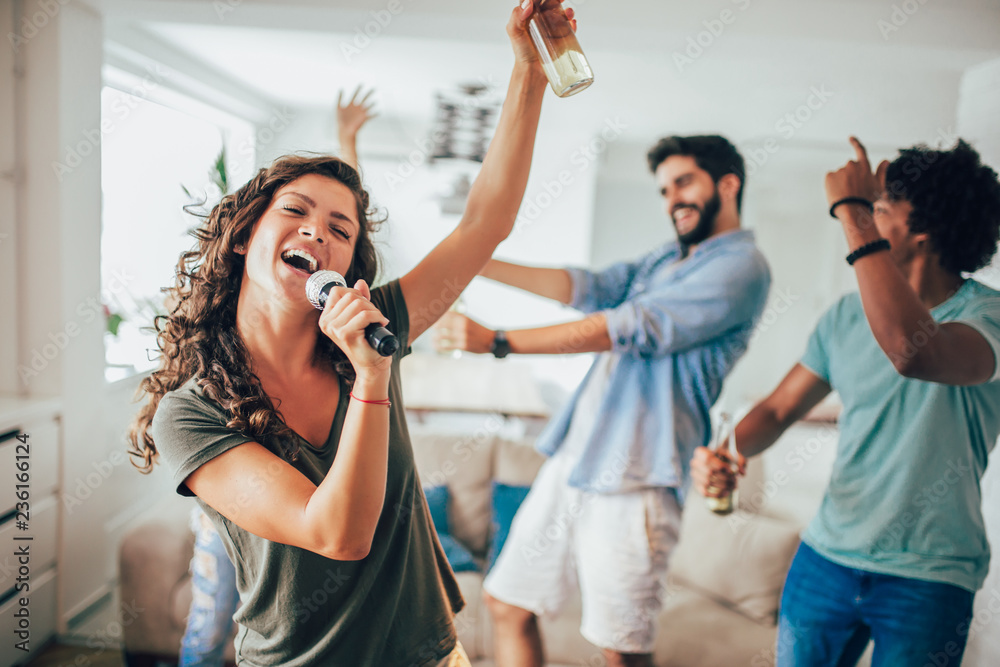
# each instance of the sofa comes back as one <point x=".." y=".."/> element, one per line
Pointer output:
<point x="720" y="599"/>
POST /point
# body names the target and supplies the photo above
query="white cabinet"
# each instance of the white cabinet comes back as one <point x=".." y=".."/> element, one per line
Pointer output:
<point x="30" y="452"/>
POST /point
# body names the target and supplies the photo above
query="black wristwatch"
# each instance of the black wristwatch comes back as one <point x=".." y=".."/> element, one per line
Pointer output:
<point x="500" y="347"/>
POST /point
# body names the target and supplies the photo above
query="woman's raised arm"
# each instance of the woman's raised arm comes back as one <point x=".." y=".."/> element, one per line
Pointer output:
<point x="436" y="282"/>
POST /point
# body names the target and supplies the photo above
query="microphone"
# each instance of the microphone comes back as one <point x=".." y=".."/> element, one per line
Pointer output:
<point x="318" y="290"/>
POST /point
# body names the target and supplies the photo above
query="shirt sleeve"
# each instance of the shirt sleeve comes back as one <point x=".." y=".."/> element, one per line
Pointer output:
<point x="817" y="357"/>
<point x="599" y="290"/>
<point x="389" y="300"/>
<point x="188" y="432"/>
<point x="727" y="293"/>
<point x="986" y="320"/>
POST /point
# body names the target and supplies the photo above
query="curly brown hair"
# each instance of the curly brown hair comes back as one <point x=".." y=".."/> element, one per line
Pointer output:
<point x="199" y="337"/>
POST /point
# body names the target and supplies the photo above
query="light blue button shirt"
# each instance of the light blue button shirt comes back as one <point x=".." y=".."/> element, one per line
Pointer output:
<point x="678" y="328"/>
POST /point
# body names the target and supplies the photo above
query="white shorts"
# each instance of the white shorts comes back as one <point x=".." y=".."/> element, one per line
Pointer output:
<point x="615" y="547"/>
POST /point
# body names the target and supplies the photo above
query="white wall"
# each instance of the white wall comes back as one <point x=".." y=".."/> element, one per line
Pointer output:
<point x="60" y="347"/>
<point x="785" y="205"/>
<point x="978" y="109"/>
<point x="58" y="230"/>
<point x="8" y="210"/>
<point x="60" y="241"/>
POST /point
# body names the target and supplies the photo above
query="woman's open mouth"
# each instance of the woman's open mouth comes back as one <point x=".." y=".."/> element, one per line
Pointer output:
<point x="300" y="260"/>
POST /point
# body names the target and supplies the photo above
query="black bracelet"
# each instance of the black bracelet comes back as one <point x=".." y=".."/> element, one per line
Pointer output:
<point x="867" y="249"/>
<point x="851" y="200"/>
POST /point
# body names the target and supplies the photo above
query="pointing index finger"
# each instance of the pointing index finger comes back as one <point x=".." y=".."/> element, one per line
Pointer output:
<point x="859" y="149"/>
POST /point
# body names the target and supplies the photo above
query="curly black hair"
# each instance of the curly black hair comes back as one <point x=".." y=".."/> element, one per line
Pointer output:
<point x="713" y="153"/>
<point x="955" y="200"/>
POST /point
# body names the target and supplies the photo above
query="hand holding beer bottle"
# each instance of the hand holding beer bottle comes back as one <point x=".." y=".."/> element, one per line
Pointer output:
<point x="553" y="31"/>
<point x="715" y="472"/>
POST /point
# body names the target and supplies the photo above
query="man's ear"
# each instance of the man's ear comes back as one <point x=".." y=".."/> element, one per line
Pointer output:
<point x="923" y="240"/>
<point x="729" y="186"/>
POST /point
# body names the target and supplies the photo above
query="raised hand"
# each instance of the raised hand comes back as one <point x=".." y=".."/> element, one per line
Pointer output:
<point x="517" y="27"/>
<point x="355" y="113"/>
<point x="855" y="179"/>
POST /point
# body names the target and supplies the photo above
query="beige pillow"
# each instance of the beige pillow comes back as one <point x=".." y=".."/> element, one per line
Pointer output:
<point x="462" y="462"/>
<point x="516" y="462"/>
<point x="738" y="560"/>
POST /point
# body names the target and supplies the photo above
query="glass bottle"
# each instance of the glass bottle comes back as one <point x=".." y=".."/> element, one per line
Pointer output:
<point x="562" y="58"/>
<point x="460" y="308"/>
<point x="726" y="504"/>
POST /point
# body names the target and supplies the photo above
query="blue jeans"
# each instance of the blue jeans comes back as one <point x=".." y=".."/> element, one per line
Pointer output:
<point x="829" y="612"/>
<point x="214" y="598"/>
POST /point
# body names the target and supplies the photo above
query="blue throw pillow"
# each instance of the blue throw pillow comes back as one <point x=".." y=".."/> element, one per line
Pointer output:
<point x="437" y="503"/>
<point x="458" y="556"/>
<point x="506" y="500"/>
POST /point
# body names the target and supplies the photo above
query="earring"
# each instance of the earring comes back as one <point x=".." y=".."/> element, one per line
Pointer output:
<point x="239" y="248"/>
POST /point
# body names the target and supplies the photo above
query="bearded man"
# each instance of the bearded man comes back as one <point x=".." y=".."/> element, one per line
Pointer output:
<point x="668" y="328"/>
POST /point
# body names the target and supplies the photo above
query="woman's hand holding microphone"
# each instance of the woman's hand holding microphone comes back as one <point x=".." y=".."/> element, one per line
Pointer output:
<point x="344" y="318"/>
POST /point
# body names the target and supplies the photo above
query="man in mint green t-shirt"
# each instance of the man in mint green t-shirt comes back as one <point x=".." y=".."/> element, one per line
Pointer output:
<point x="898" y="548"/>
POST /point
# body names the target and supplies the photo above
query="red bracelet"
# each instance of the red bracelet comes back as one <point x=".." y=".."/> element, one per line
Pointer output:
<point x="385" y="401"/>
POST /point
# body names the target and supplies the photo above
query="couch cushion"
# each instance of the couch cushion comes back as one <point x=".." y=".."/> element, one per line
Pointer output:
<point x="747" y="499"/>
<point x="507" y="499"/>
<point x="463" y="462"/>
<point x="738" y="560"/>
<point x="516" y="462"/>
<point x="153" y="565"/>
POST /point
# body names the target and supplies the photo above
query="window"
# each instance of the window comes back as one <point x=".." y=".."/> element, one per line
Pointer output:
<point x="151" y="152"/>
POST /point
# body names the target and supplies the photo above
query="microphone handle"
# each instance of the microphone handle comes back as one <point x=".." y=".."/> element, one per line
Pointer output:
<point x="382" y="340"/>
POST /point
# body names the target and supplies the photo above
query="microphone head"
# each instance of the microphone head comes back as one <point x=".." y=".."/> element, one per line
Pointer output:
<point x="319" y="281"/>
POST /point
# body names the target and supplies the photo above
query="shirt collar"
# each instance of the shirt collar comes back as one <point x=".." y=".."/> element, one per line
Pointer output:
<point x="721" y="240"/>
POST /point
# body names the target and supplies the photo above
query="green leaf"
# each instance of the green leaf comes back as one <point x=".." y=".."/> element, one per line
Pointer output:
<point x="219" y="177"/>
<point x="114" y="321"/>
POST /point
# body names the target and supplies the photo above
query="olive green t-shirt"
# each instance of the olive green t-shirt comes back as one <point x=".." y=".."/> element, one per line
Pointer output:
<point x="393" y="608"/>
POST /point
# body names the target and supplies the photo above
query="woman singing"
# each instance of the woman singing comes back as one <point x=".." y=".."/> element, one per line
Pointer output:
<point x="289" y="428"/>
